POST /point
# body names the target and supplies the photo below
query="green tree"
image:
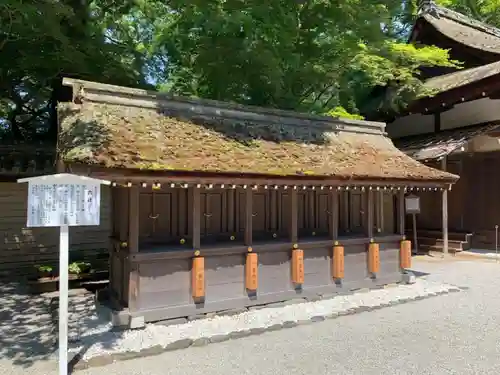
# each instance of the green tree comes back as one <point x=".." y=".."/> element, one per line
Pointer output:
<point x="43" y="40"/>
<point x="487" y="11"/>
<point x="315" y="55"/>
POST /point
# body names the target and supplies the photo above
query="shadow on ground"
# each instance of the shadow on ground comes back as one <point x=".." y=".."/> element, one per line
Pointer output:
<point x="26" y="330"/>
<point x="29" y="325"/>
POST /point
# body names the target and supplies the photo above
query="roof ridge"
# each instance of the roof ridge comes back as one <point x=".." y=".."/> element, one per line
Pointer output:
<point x="167" y="103"/>
<point x="429" y="7"/>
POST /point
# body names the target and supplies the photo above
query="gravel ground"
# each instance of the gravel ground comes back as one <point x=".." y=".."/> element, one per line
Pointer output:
<point x="222" y="326"/>
<point x="450" y="334"/>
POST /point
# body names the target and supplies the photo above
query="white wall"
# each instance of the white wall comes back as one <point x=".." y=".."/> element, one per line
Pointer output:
<point x="463" y="114"/>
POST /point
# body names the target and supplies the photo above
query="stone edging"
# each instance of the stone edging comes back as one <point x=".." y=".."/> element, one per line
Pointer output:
<point x="107" y="359"/>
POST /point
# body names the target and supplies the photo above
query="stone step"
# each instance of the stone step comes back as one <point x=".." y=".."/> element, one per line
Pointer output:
<point x="439" y="242"/>
<point x="439" y="248"/>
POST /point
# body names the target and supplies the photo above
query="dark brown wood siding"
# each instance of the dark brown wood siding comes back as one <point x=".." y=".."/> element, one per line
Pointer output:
<point x="473" y="202"/>
<point x="22" y="248"/>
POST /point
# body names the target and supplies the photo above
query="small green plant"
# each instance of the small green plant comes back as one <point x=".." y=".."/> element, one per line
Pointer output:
<point x="79" y="267"/>
<point x="44" y="269"/>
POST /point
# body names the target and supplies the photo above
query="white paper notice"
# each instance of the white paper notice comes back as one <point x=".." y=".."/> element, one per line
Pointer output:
<point x="54" y="205"/>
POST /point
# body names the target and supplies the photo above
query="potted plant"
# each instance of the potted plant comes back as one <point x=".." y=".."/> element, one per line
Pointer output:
<point x="79" y="268"/>
<point x="44" y="272"/>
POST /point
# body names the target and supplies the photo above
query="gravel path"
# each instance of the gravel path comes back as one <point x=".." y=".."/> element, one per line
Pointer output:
<point x="457" y="333"/>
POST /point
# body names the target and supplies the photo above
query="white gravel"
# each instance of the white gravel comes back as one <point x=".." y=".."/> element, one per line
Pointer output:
<point x="100" y="341"/>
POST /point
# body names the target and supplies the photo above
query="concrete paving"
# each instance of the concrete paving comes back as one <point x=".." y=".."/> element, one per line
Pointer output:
<point x="452" y="334"/>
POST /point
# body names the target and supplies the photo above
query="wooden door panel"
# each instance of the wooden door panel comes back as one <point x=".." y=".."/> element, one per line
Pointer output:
<point x="356" y="212"/>
<point x="388" y="225"/>
<point x="322" y="216"/>
<point x="162" y="226"/>
<point x="260" y="209"/>
<point x="284" y="212"/>
<point x="212" y="214"/>
<point x="145" y="210"/>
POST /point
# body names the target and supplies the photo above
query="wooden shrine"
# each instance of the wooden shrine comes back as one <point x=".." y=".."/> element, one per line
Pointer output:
<point x="218" y="206"/>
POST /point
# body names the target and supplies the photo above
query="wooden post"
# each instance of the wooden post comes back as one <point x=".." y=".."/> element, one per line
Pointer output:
<point x="198" y="278"/>
<point x="294" y="216"/>
<point x="248" y="216"/>
<point x="230" y="209"/>
<point x="251" y="272"/>
<point x="369" y="213"/>
<point x="196" y="217"/>
<point x="405" y="255"/>
<point x="380" y="212"/>
<point x="346" y="211"/>
<point x="297" y="266"/>
<point x="334" y="215"/>
<point x="401" y="212"/>
<point x="338" y="262"/>
<point x="445" y="212"/>
<point x="133" y="246"/>
<point x="373" y="258"/>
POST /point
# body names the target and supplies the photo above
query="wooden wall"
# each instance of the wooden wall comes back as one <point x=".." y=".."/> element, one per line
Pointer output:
<point x="165" y="289"/>
<point x="165" y="216"/>
<point x="473" y="202"/>
<point x="22" y="248"/>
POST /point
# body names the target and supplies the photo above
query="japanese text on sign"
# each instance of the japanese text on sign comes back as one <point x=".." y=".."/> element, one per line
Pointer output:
<point x="53" y="205"/>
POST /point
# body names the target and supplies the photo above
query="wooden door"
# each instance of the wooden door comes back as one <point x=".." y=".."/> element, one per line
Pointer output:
<point x="284" y="212"/>
<point x="302" y="212"/>
<point x="260" y="215"/>
<point x="356" y="213"/>
<point x="322" y="214"/>
<point x="211" y="219"/>
<point x="156" y="223"/>
<point x="388" y="225"/>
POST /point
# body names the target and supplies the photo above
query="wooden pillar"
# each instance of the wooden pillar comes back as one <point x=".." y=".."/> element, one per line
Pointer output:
<point x="401" y="211"/>
<point x="294" y="216"/>
<point x="195" y="217"/>
<point x="230" y="209"/>
<point x="248" y="216"/>
<point x="346" y="211"/>
<point x="297" y="254"/>
<point x="133" y="247"/>
<point x="334" y="215"/>
<point x="369" y="213"/>
<point x="380" y="211"/>
<point x="445" y="212"/>
<point x="198" y="262"/>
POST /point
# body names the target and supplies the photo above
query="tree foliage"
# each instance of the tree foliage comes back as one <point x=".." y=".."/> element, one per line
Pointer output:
<point x="308" y="55"/>
<point x="487" y="11"/>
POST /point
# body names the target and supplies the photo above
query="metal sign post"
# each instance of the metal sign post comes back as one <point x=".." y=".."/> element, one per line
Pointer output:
<point x="63" y="200"/>
<point x="412" y="206"/>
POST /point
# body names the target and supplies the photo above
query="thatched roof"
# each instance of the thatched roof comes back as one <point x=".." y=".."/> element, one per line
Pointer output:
<point x="118" y="127"/>
<point x="433" y="146"/>
<point x="461" y="29"/>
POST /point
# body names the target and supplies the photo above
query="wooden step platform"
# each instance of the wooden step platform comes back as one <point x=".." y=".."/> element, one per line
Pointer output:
<point x="432" y="240"/>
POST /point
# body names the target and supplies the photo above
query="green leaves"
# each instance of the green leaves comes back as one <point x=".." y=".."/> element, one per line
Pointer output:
<point x="315" y="56"/>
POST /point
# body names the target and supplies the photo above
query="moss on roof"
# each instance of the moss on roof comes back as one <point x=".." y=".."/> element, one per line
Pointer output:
<point x="117" y="136"/>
